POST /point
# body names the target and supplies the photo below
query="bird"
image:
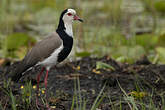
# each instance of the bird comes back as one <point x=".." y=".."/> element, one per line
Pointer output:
<point x="51" y="50"/>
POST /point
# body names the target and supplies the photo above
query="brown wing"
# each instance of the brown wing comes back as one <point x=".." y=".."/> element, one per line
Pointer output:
<point x="42" y="49"/>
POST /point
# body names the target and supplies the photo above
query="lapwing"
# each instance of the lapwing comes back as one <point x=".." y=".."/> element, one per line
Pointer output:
<point x="51" y="50"/>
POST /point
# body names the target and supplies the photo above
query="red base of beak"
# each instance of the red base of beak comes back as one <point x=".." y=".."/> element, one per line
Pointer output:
<point x="77" y="18"/>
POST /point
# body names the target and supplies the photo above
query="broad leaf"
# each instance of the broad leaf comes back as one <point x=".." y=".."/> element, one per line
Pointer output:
<point x="101" y="65"/>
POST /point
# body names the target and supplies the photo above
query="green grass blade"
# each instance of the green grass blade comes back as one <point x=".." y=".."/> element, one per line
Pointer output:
<point x="110" y="103"/>
<point x="72" y="107"/>
<point x="13" y="100"/>
<point x="1" y="107"/>
<point x="97" y="99"/>
<point x="120" y="104"/>
<point x="129" y="99"/>
<point x="75" y="92"/>
<point x="79" y="92"/>
<point x="84" y="104"/>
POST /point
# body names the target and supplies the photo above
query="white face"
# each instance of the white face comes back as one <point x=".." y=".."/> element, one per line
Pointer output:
<point x="69" y="16"/>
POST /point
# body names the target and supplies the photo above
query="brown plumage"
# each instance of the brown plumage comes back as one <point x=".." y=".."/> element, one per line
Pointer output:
<point x="38" y="53"/>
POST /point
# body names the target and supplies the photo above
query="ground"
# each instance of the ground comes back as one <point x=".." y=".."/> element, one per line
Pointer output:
<point x="123" y="85"/>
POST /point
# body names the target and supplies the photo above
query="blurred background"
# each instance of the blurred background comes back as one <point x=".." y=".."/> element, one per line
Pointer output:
<point x="122" y="29"/>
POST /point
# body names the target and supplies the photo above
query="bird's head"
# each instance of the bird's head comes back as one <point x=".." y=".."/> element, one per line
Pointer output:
<point x="69" y="15"/>
<point x="66" y="19"/>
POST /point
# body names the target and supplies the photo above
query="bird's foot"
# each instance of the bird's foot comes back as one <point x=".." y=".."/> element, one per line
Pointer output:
<point x="40" y="106"/>
<point x="48" y="107"/>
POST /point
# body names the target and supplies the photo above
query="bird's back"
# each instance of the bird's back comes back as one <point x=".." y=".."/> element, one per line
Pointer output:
<point x="38" y="53"/>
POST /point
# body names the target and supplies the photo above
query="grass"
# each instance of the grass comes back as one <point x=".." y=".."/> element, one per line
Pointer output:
<point x="26" y="97"/>
<point x="13" y="101"/>
<point x="136" y="103"/>
<point x="27" y="94"/>
<point x="103" y="31"/>
<point x="80" y="102"/>
<point x="24" y="100"/>
<point x="99" y="99"/>
<point x="132" y="98"/>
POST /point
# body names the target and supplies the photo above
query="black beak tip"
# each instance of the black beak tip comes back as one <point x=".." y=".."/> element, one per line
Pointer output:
<point x="81" y="20"/>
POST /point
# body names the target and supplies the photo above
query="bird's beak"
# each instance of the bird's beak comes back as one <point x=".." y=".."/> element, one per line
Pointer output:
<point x="77" y="18"/>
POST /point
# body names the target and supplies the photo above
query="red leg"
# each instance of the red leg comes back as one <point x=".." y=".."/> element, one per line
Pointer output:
<point x="45" y="81"/>
<point x="38" y="77"/>
<point x="46" y="78"/>
<point x="38" y="80"/>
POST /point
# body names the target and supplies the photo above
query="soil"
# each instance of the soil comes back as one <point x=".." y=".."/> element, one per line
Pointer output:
<point x="141" y="76"/>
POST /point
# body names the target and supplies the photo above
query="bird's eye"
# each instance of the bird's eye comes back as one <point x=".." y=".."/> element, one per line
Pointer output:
<point x="69" y="14"/>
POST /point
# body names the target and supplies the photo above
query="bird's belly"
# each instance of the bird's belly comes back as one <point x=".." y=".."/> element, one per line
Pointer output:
<point x="52" y="59"/>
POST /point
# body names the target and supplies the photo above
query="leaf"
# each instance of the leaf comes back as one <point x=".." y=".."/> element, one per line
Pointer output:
<point x="121" y="59"/>
<point x="142" y="40"/>
<point x="16" y="40"/>
<point x="161" y="40"/>
<point x="160" y="6"/>
<point x="142" y="94"/>
<point x="138" y="94"/>
<point x="83" y="54"/>
<point x="20" y="53"/>
<point x="161" y="52"/>
<point x="128" y="52"/>
<point x="101" y="65"/>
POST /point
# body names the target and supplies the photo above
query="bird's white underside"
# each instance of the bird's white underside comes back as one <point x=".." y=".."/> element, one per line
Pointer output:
<point x="52" y="60"/>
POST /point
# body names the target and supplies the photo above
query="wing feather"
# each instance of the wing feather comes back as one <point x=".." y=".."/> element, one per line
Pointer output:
<point x="43" y="49"/>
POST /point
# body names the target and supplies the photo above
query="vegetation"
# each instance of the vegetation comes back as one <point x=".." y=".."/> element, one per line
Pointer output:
<point x="110" y="27"/>
<point x="124" y="30"/>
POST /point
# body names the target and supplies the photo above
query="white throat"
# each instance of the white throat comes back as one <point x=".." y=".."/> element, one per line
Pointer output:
<point x="68" y="29"/>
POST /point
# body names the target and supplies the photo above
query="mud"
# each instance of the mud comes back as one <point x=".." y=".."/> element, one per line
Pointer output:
<point x="141" y="76"/>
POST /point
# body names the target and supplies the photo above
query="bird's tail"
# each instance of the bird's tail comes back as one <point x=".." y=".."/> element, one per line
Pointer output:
<point x="16" y="71"/>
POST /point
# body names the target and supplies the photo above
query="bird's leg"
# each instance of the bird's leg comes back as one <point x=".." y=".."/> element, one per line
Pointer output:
<point x="38" y="80"/>
<point x="38" y="77"/>
<point x="45" y="81"/>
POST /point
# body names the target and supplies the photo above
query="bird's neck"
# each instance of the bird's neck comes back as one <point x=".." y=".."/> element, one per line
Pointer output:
<point x="68" y="29"/>
<point x="65" y="27"/>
